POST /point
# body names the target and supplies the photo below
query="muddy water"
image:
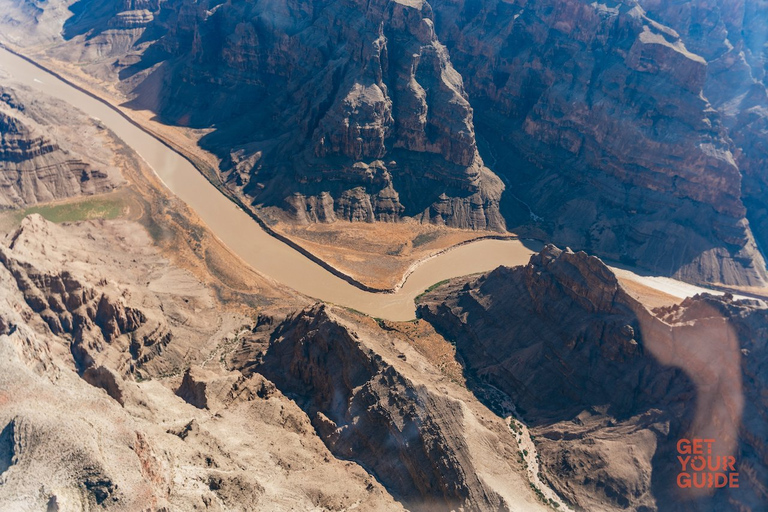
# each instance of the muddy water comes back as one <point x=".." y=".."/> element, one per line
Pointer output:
<point x="238" y="231"/>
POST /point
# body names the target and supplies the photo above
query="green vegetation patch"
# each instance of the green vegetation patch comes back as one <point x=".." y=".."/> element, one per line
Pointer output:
<point x="88" y="209"/>
<point x="431" y="288"/>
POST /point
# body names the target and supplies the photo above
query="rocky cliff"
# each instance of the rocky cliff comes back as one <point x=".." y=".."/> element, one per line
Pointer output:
<point x="133" y="374"/>
<point x="94" y="317"/>
<point x="730" y="35"/>
<point x="369" y="406"/>
<point x="33" y="168"/>
<point x="597" y="117"/>
<point x="609" y="387"/>
<point x="96" y="329"/>
<point x="628" y="129"/>
<point x="327" y="110"/>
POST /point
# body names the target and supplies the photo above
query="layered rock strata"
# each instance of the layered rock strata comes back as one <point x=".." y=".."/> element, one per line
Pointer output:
<point x="600" y="118"/>
<point x="361" y="120"/>
<point x="620" y="128"/>
<point x="33" y="168"/>
<point x="593" y="372"/>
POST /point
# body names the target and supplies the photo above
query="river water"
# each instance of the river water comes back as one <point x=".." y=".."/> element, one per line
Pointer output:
<point x="259" y="249"/>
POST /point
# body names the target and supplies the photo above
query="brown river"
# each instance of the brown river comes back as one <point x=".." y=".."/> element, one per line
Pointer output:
<point x="264" y="252"/>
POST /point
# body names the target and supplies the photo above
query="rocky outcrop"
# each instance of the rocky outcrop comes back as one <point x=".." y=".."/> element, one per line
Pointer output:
<point x="572" y="319"/>
<point x="592" y="372"/>
<point x="595" y="115"/>
<point x="94" y="316"/>
<point x="327" y="110"/>
<point x="206" y="389"/>
<point x="34" y="169"/>
<point x="415" y="441"/>
<point x="107" y="379"/>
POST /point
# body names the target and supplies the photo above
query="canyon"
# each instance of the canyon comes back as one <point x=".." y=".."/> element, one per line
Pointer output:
<point x="605" y="384"/>
<point x="606" y="127"/>
<point x="179" y="351"/>
<point x="208" y="407"/>
<point x="141" y="338"/>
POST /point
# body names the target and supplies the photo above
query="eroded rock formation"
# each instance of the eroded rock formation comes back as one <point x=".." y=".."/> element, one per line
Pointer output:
<point x="105" y="344"/>
<point x="595" y="114"/>
<point x="632" y="130"/>
<point x="86" y="421"/>
<point x="363" y="119"/>
<point x="594" y="372"/>
<point x="33" y="168"/>
<point x="368" y="406"/>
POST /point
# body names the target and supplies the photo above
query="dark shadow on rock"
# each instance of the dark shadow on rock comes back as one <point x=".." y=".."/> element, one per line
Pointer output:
<point x="580" y="359"/>
<point x="585" y="209"/>
<point x="6" y="447"/>
<point x="365" y="410"/>
<point x="89" y="17"/>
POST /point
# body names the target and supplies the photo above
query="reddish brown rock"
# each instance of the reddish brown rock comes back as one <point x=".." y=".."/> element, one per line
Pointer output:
<point x="609" y="387"/>
<point x="594" y="114"/>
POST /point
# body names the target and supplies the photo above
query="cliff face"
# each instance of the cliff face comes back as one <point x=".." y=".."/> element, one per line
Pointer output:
<point x="592" y="372"/>
<point x="33" y="168"/>
<point x="96" y="329"/>
<point x="330" y="110"/>
<point x="635" y="135"/>
<point x="595" y="115"/>
<point x="730" y="35"/>
<point x="422" y="445"/>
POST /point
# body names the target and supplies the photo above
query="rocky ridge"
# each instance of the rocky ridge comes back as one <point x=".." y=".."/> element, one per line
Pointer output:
<point x="592" y="371"/>
<point x="33" y="168"/>
<point x="208" y="409"/>
<point x="75" y="390"/>
<point x="367" y="405"/>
